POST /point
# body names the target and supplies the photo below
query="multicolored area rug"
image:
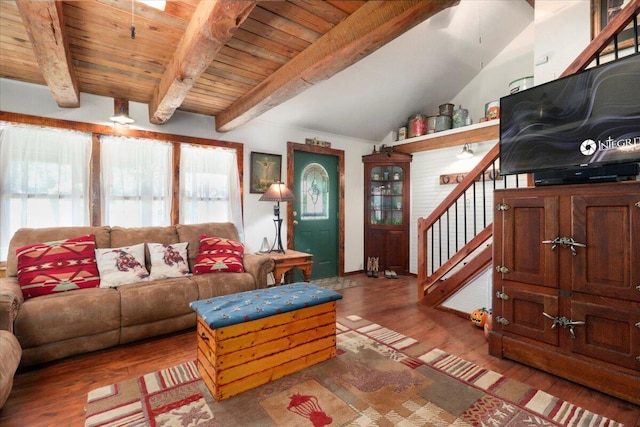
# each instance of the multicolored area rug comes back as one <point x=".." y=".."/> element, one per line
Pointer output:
<point x="380" y="378"/>
<point x="336" y="283"/>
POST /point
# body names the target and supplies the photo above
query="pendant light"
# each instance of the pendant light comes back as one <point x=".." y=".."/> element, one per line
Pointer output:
<point x="466" y="152"/>
<point x="121" y="112"/>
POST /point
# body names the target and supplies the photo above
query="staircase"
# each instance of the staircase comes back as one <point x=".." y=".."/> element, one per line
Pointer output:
<point x="454" y="241"/>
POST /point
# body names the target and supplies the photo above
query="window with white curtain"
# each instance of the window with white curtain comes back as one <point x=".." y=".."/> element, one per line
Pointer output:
<point x="44" y="179"/>
<point x="135" y="181"/>
<point x="209" y="186"/>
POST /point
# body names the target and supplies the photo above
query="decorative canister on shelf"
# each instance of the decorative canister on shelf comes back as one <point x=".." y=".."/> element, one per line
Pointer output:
<point x="520" y="84"/>
<point x="417" y="125"/>
<point x="446" y="109"/>
<point x="396" y="176"/>
<point x="402" y="133"/>
<point x="443" y="123"/>
<point x="460" y="117"/>
<point x="431" y="124"/>
<point x="492" y="110"/>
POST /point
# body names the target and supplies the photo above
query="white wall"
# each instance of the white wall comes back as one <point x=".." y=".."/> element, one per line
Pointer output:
<point x="562" y="31"/>
<point x="492" y="83"/>
<point x="26" y="98"/>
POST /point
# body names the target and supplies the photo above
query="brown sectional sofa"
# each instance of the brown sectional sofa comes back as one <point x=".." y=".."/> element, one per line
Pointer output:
<point x="54" y="326"/>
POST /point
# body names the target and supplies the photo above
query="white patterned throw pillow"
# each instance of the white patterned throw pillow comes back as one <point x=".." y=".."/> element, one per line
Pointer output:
<point x="168" y="260"/>
<point x="121" y="266"/>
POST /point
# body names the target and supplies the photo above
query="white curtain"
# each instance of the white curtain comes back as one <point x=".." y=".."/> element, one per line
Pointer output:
<point x="44" y="179"/>
<point x="136" y="181"/>
<point x="210" y="186"/>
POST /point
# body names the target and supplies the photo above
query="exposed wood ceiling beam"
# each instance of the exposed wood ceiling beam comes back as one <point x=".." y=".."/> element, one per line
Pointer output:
<point x="211" y="26"/>
<point x="44" y="21"/>
<point x="370" y="27"/>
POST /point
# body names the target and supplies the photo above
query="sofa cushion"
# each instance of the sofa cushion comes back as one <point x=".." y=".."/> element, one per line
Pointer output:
<point x="218" y="254"/>
<point x="57" y="266"/>
<point x="121" y="266"/>
<point x="215" y="285"/>
<point x="129" y="236"/>
<point x="156" y="300"/>
<point x="168" y="260"/>
<point x="191" y="233"/>
<point x="59" y="317"/>
<point x="30" y="236"/>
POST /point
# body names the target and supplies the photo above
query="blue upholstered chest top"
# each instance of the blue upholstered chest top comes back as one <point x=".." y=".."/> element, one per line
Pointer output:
<point x="251" y="305"/>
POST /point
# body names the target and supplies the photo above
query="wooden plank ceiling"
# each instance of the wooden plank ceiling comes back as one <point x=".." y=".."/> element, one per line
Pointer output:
<point x="230" y="59"/>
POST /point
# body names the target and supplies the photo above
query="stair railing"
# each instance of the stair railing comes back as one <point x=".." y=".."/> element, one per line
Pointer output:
<point x="461" y="224"/>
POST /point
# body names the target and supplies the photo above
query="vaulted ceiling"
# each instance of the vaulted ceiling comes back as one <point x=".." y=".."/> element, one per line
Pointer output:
<point x="230" y="59"/>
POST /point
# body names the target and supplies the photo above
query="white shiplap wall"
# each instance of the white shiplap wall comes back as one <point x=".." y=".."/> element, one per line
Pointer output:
<point x="426" y="191"/>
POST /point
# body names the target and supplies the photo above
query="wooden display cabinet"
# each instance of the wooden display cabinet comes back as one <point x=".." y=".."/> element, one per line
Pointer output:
<point x="566" y="283"/>
<point x="386" y="218"/>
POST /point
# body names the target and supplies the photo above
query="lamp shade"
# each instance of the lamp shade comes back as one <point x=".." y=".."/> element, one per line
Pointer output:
<point x="277" y="192"/>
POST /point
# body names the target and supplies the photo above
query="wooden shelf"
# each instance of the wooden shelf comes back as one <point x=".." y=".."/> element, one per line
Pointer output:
<point x="478" y="132"/>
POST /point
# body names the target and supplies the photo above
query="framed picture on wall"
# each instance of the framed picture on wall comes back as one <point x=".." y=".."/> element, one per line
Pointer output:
<point x="265" y="170"/>
<point x="603" y="12"/>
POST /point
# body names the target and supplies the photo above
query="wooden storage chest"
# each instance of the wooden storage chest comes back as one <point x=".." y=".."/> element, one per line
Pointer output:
<point x="239" y="354"/>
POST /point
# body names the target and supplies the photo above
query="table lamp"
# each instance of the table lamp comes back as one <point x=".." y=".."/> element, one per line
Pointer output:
<point x="277" y="192"/>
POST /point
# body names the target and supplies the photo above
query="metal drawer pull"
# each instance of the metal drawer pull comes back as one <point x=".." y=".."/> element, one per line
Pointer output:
<point x="204" y="337"/>
<point x="502" y="269"/>
<point x="564" y="322"/>
<point x="638" y="358"/>
<point x="565" y="242"/>
<point x="502" y="321"/>
<point x="502" y="296"/>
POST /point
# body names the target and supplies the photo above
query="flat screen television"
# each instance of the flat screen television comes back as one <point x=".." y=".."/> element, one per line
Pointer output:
<point x="586" y="120"/>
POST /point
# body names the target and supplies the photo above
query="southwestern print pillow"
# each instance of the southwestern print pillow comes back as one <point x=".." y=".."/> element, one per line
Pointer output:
<point x="217" y="255"/>
<point x="121" y="266"/>
<point x="168" y="260"/>
<point x="58" y="266"/>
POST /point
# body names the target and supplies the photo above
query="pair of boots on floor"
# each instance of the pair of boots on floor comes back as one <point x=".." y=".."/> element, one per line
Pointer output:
<point x="373" y="269"/>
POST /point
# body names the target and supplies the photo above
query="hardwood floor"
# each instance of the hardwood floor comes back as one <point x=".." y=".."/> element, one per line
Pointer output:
<point x="55" y="394"/>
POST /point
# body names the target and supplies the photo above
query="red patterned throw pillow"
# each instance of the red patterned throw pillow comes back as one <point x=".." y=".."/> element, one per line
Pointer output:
<point x="217" y="255"/>
<point x="60" y="266"/>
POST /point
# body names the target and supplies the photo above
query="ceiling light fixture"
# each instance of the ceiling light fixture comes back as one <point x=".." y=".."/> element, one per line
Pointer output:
<point x="121" y="112"/>
<point x="156" y="4"/>
<point x="466" y="152"/>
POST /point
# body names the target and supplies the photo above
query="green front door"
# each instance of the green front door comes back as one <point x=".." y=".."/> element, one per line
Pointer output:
<point x="316" y="210"/>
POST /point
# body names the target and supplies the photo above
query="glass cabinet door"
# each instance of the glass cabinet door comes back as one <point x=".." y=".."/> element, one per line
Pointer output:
<point x="386" y="203"/>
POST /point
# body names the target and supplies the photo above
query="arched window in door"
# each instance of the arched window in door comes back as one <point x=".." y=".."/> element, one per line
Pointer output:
<point x="314" y="192"/>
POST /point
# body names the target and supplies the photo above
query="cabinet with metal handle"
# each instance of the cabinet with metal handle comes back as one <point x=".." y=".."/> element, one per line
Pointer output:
<point x="566" y="280"/>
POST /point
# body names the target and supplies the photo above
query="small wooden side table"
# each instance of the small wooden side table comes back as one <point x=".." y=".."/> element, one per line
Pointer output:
<point x="288" y="260"/>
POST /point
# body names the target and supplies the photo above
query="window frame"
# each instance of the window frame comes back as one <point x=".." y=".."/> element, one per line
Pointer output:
<point x="98" y="130"/>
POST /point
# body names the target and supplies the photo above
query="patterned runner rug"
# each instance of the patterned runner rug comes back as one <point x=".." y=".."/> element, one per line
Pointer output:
<point x="380" y="378"/>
